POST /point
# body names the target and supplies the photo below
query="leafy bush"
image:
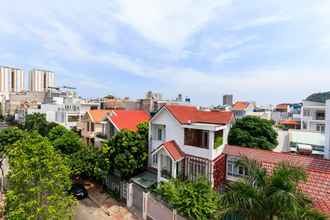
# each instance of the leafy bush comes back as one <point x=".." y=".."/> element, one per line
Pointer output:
<point x="194" y="200"/>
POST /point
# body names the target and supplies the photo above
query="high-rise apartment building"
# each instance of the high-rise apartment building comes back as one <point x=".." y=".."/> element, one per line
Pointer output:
<point x="227" y="100"/>
<point x="11" y="79"/>
<point x="41" y="80"/>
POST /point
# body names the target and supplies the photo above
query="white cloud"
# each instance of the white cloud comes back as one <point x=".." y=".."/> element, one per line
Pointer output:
<point x="169" y="23"/>
<point x="261" y="21"/>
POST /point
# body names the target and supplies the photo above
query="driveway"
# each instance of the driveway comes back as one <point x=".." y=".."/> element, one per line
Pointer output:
<point x="99" y="203"/>
<point x="88" y="210"/>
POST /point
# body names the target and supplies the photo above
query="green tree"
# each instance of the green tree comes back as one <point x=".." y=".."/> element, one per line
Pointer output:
<point x="8" y="137"/>
<point x="89" y="162"/>
<point x="38" y="182"/>
<point x="128" y="151"/>
<point x="194" y="200"/>
<point x="36" y="122"/>
<point x="258" y="196"/>
<point x="64" y="140"/>
<point x="253" y="132"/>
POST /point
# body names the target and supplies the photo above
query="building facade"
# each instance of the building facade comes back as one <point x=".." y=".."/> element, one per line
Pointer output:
<point x="41" y="80"/>
<point x="313" y="116"/>
<point x="187" y="142"/>
<point x="227" y="100"/>
<point x="11" y="79"/>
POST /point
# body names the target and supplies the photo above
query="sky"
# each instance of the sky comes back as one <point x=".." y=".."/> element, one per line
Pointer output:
<point x="265" y="51"/>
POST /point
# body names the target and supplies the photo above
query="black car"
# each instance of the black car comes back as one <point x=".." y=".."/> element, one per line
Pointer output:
<point x="79" y="191"/>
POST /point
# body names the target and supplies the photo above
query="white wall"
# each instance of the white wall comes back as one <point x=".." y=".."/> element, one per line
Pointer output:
<point x="327" y="131"/>
<point x="175" y="131"/>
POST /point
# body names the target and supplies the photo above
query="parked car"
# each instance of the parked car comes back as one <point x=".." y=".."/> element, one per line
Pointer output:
<point x="79" y="191"/>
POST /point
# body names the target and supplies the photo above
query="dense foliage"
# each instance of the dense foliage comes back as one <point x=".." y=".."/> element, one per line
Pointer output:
<point x="253" y="132"/>
<point x="39" y="181"/>
<point x="36" y="122"/>
<point x="259" y="196"/>
<point x="194" y="200"/>
<point x="64" y="140"/>
<point x="128" y="151"/>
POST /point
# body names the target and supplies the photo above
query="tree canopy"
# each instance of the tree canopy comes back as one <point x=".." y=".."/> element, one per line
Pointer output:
<point x="64" y="140"/>
<point x="37" y="122"/>
<point x="253" y="132"/>
<point x="259" y="196"/>
<point x="39" y="181"/>
<point x="128" y="151"/>
<point x="194" y="200"/>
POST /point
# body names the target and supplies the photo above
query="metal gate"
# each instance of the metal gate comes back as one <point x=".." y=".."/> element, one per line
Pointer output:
<point x="137" y="198"/>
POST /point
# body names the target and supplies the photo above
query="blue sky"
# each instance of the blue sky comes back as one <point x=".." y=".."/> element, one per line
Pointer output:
<point x="268" y="51"/>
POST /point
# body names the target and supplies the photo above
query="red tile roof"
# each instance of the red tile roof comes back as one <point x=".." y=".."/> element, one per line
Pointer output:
<point x="289" y="122"/>
<point x="128" y="119"/>
<point x="282" y="106"/>
<point x="97" y="115"/>
<point x="240" y="105"/>
<point x="318" y="170"/>
<point x="173" y="149"/>
<point x="190" y="114"/>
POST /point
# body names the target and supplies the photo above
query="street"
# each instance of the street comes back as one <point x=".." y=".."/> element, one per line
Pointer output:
<point x="88" y="210"/>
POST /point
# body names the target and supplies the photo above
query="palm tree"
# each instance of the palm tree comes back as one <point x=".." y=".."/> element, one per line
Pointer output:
<point x="259" y="196"/>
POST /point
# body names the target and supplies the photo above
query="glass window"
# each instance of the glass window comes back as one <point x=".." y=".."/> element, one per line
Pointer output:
<point x="196" y="138"/>
<point x="166" y="166"/>
<point x="197" y="169"/>
<point x="154" y="160"/>
<point x="233" y="170"/>
<point x="159" y="134"/>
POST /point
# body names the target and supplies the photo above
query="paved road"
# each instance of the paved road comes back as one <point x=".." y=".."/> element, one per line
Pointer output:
<point x="88" y="210"/>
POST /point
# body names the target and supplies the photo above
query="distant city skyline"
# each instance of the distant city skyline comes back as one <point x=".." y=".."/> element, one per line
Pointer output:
<point x="266" y="51"/>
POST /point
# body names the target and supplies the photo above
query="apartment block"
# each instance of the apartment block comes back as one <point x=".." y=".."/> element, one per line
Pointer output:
<point x="41" y="80"/>
<point x="11" y="79"/>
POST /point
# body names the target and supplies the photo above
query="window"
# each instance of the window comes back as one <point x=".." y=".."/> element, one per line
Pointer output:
<point x="197" y="168"/>
<point x="87" y="126"/>
<point x="320" y="128"/>
<point x="218" y="139"/>
<point x="320" y="115"/>
<point x="154" y="160"/>
<point x="307" y="113"/>
<point x="304" y="125"/>
<point x="166" y="166"/>
<point x="233" y="170"/>
<point x="196" y="138"/>
<point x="73" y="118"/>
<point x="158" y="132"/>
<point x="92" y="127"/>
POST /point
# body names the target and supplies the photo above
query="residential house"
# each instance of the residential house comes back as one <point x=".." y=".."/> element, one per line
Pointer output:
<point x="241" y="109"/>
<point x="66" y="111"/>
<point x="313" y="116"/>
<point x="187" y="142"/>
<point x="317" y="186"/>
<point x="281" y="112"/>
<point x="118" y="120"/>
<point x="91" y="124"/>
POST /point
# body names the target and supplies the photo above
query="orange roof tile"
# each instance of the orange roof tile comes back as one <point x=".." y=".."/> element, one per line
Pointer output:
<point x="190" y="114"/>
<point x="289" y="122"/>
<point x="128" y="119"/>
<point x="318" y="170"/>
<point x="97" y="115"/>
<point x="282" y="106"/>
<point x="173" y="149"/>
<point x="238" y="106"/>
